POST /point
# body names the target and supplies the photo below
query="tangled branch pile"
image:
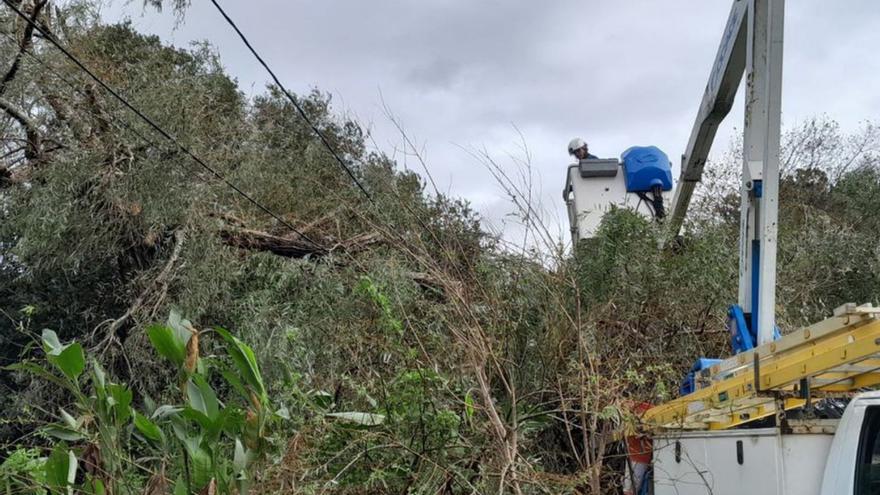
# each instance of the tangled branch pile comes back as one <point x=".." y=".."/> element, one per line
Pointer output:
<point x="402" y="349"/>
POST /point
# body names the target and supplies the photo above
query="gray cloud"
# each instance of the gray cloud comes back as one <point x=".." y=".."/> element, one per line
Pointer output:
<point x="463" y="74"/>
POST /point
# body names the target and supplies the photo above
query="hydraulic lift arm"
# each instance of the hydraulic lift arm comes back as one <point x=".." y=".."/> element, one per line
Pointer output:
<point x="727" y="72"/>
<point x="752" y="44"/>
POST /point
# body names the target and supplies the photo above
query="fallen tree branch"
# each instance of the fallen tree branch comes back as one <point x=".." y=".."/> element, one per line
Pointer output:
<point x="293" y="246"/>
<point x="160" y="281"/>
<point x="255" y="240"/>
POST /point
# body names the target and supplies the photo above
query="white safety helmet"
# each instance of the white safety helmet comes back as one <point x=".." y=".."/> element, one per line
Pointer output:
<point x="575" y="144"/>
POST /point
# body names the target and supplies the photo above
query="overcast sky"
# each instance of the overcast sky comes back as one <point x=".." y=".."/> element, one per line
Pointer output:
<point x="468" y="74"/>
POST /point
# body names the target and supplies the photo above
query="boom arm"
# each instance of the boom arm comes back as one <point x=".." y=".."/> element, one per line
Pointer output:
<point x="730" y="63"/>
<point x="752" y="43"/>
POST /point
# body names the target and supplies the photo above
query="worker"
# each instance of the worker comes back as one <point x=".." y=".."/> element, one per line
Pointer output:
<point x="578" y="147"/>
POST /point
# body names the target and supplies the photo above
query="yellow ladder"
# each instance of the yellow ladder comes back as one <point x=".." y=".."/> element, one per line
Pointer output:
<point x="837" y="355"/>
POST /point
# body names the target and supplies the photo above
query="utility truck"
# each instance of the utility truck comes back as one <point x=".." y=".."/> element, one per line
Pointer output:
<point x="785" y="415"/>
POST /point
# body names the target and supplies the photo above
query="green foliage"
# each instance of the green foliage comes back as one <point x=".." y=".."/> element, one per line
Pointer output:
<point x="69" y="359"/>
<point x="167" y="344"/>
<point x="428" y="362"/>
<point x="61" y="468"/>
<point x="217" y="441"/>
<point x="392" y="324"/>
<point x="23" y="472"/>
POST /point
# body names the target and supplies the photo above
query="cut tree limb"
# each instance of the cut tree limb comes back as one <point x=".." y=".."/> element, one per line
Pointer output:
<point x="292" y="246"/>
<point x="255" y="240"/>
<point x="160" y="282"/>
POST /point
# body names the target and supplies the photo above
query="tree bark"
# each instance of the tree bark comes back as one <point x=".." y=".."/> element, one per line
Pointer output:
<point x="34" y="150"/>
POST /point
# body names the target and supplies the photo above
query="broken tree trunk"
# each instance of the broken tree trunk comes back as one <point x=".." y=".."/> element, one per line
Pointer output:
<point x="292" y="246"/>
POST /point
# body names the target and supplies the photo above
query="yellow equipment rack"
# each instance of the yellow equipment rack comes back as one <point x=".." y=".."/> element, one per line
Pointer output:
<point x="837" y="355"/>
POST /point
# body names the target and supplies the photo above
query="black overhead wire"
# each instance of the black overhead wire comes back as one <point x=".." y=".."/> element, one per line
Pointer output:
<point x="48" y="67"/>
<point x="48" y="36"/>
<point x="295" y="103"/>
<point x="305" y="117"/>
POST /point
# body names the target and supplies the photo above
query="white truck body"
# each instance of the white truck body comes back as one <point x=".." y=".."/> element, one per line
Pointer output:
<point x="811" y="460"/>
<point x="754" y="462"/>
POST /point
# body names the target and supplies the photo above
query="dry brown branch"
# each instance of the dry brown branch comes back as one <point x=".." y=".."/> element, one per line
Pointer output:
<point x="293" y="246"/>
<point x="256" y="240"/>
<point x="160" y="281"/>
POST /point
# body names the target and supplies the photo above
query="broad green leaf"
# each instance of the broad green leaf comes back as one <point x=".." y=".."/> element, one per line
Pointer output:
<point x="58" y="466"/>
<point x="72" y="465"/>
<point x="167" y="343"/>
<point x="201" y="466"/>
<point x="180" y="326"/>
<point x="198" y="416"/>
<point x="122" y="396"/>
<point x="212" y="432"/>
<point x="100" y="375"/>
<point x="358" y="418"/>
<point x="174" y="318"/>
<point x="240" y="461"/>
<point x="243" y="357"/>
<point x="147" y="428"/>
<point x="201" y="396"/>
<point x="96" y="487"/>
<point x="179" y="427"/>
<point x="180" y="487"/>
<point x="241" y="457"/>
<point x="234" y="381"/>
<point x="70" y="360"/>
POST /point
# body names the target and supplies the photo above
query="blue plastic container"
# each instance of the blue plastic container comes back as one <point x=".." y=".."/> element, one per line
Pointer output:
<point x="689" y="384"/>
<point x="646" y="167"/>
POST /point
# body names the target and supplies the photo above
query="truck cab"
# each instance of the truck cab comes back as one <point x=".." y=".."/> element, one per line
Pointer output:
<point x="853" y="461"/>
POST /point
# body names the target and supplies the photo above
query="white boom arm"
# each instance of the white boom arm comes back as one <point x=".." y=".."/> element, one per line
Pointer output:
<point x="752" y="43"/>
<point x="717" y="102"/>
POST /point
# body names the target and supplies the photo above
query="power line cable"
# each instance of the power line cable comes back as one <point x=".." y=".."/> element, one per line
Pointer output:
<point x="48" y="67"/>
<point x="292" y="99"/>
<point x="153" y="124"/>
<point x="427" y="229"/>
